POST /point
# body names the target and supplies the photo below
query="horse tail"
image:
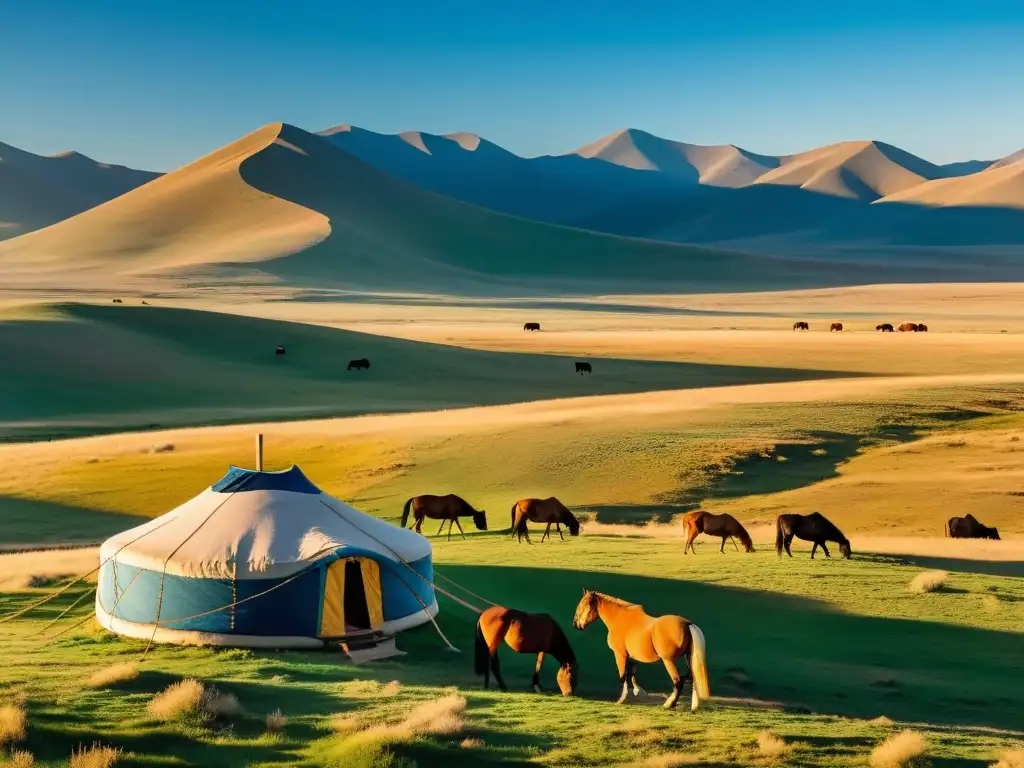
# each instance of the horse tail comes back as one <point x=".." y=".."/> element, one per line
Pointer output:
<point x="698" y="667"/>
<point x="482" y="654"/>
<point x="405" y="512"/>
<point x="780" y="536"/>
<point x="512" y="527"/>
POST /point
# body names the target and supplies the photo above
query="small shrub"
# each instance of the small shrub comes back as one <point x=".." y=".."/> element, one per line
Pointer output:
<point x="929" y="581"/>
<point x="907" y="749"/>
<point x="772" y="746"/>
<point x="471" y="743"/>
<point x="192" y="703"/>
<point x="1010" y="758"/>
<point x="276" y="721"/>
<point x="20" y="759"/>
<point x="96" y="756"/>
<point x="13" y="725"/>
<point x="114" y="674"/>
<point x="882" y="722"/>
<point x="440" y="716"/>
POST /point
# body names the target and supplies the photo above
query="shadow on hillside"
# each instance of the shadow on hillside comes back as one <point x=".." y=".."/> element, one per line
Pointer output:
<point x="964" y="565"/>
<point x="30" y="522"/>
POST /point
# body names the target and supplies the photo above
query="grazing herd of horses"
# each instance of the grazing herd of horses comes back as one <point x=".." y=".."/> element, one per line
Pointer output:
<point x="803" y="325"/>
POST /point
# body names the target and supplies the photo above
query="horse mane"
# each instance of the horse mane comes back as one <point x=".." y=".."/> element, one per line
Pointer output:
<point x="829" y="528"/>
<point x="616" y="600"/>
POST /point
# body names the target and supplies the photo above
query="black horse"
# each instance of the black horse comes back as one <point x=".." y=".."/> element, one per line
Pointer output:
<point x="279" y="350"/>
<point x="968" y="527"/>
<point x="801" y="325"/>
<point x="885" y="328"/>
<point x="814" y="527"/>
<point x="582" y="368"/>
<point x="531" y="326"/>
<point x="359" y="365"/>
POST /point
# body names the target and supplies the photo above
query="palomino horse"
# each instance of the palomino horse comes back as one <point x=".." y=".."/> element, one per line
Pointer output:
<point x="813" y="527"/>
<point x="444" y="508"/>
<point x="548" y="511"/>
<point x="524" y="633"/>
<point x="726" y="526"/>
<point x="634" y="636"/>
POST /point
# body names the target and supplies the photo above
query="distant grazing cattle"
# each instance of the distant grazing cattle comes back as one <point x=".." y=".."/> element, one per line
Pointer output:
<point x="922" y="328"/>
<point x="968" y="527"/>
<point x="279" y="350"/>
<point x="908" y="327"/>
<point x="582" y="368"/>
<point x="531" y="326"/>
<point x="118" y="301"/>
<point x="800" y="325"/>
<point x="359" y="365"/>
<point x="836" y="327"/>
<point x="885" y="328"/>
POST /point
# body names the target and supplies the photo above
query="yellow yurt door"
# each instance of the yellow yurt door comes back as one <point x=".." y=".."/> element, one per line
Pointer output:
<point x="353" y="601"/>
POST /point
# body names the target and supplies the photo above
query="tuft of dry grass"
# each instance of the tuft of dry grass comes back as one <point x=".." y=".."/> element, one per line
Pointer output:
<point x="192" y="702"/>
<point x="1010" y="758"/>
<point x="666" y="760"/>
<point x="929" y="581"/>
<point x="440" y="716"/>
<point x="114" y="674"/>
<point x="819" y="452"/>
<point x="906" y="749"/>
<point x="882" y="722"/>
<point x="437" y="717"/>
<point x="13" y="724"/>
<point x="96" y="756"/>
<point x="772" y="746"/>
<point x="19" y="758"/>
<point x="391" y="689"/>
<point x="471" y="743"/>
<point x="276" y="721"/>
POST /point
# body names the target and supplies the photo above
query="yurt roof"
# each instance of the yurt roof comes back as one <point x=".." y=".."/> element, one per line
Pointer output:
<point x="258" y="525"/>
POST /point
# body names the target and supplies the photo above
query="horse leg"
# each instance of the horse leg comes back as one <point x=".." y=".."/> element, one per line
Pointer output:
<point x="419" y="525"/>
<point x="786" y="542"/>
<point x="496" y="668"/>
<point x="825" y="550"/>
<point x="734" y="544"/>
<point x="536" y="673"/>
<point x="637" y="690"/>
<point x="547" y="532"/>
<point x="814" y="549"/>
<point x="622" y="662"/>
<point x="689" y="543"/>
<point x="721" y="549"/>
<point x="677" y="683"/>
<point x="441" y="529"/>
<point x="460" y="528"/>
<point x="558" y="527"/>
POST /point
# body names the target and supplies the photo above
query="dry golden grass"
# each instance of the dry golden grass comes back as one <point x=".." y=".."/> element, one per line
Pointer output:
<point x="1010" y="758"/>
<point x="391" y="689"/>
<point x="114" y="674"/>
<point x="30" y="569"/>
<point x="666" y="760"/>
<point x="191" y="700"/>
<point x="440" y="716"/>
<point x="276" y="721"/>
<point x="19" y="758"/>
<point x="437" y="717"/>
<point x="772" y="746"/>
<point x="96" y="756"/>
<point x="345" y="725"/>
<point x="471" y="743"/>
<point x="929" y="581"/>
<point x="906" y="749"/>
<point x="882" y="722"/>
<point x="13" y="724"/>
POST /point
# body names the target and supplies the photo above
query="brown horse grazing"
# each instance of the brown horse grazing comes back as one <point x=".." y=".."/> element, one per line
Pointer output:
<point x="969" y="527"/>
<point x="904" y="327"/>
<point x="922" y="328"/>
<point x="550" y="511"/>
<point x="813" y="527"/>
<point x="726" y="526"/>
<point x="634" y="636"/>
<point x="524" y="633"/>
<point x="444" y="508"/>
<point x="885" y="328"/>
<point x="836" y="327"/>
<point x="800" y="325"/>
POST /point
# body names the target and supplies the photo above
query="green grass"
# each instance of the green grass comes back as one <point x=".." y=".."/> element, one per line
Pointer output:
<point x="84" y="369"/>
<point x="830" y="644"/>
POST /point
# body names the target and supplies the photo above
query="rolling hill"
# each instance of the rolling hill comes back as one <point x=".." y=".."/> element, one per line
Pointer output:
<point x="36" y="191"/>
<point x="999" y="186"/>
<point x="290" y="207"/>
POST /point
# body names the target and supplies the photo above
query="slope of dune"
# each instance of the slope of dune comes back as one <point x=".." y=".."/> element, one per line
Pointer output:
<point x="1000" y="186"/>
<point x="36" y="191"/>
<point x="1016" y="157"/>
<point x="862" y="170"/>
<point x="718" y="166"/>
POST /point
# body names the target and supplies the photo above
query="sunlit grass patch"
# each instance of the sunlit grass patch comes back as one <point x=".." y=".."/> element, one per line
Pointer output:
<point x="929" y="581"/>
<point x="907" y="749"/>
<point x="114" y="674"/>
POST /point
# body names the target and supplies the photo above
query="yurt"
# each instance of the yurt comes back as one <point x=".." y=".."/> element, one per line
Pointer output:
<point x="264" y="559"/>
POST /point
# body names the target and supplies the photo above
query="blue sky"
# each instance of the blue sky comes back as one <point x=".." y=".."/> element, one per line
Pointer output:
<point x="156" y="83"/>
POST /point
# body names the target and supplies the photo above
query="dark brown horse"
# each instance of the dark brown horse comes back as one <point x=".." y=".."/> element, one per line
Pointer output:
<point x="726" y="526"/>
<point x="885" y="328"/>
<point x="801" y="325"/>
<point x="905" y="327"/>
<point x="813" y="527"/>
<point x="968" y="527"/>
<point x="447" y="509"/>
<point x="531" y="326"/>
<point x="922" y="328"/>
<point x="279" y="350"/>
<point x="634" y="636"/>
<point x="836" y="327"/>
<point x="582" y="368"/>
<point x="550" y="511"/>
<point x="523" y="633"/>
<point x="362" y="364"/>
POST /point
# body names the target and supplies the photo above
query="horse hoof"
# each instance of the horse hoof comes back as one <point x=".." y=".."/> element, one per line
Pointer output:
<point x="537" y="689"/>
<point x="638" y="692"/>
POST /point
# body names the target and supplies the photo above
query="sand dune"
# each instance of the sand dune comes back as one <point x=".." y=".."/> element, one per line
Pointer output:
<point x="717" y="166"/>
<point x="1001" y="186"/>
<point x="36" y="191"/>
<point x="1009" y="159"/>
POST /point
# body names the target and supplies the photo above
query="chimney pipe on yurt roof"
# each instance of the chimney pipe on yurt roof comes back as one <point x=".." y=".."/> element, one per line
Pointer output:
<point x="259" y="451"/>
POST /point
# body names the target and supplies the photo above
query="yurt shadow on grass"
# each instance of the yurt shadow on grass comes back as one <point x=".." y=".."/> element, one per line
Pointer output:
<point x="266" y="560"/>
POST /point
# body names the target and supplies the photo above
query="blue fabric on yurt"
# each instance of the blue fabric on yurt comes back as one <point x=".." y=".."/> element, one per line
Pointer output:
<point x="239" y="479"/>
